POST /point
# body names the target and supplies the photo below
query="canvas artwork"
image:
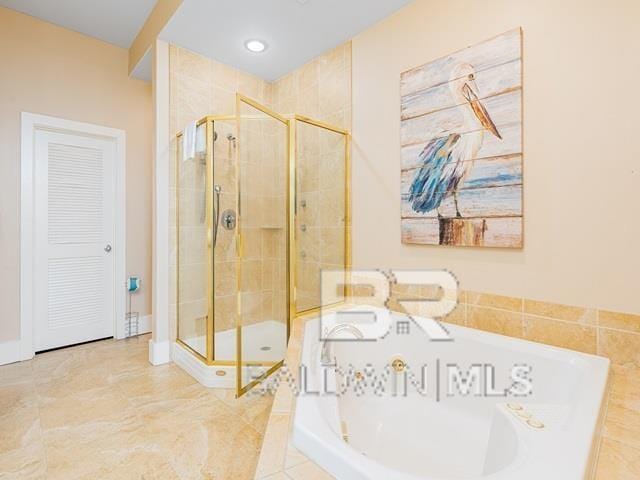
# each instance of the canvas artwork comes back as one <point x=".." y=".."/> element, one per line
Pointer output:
<point x="461" y="147"/>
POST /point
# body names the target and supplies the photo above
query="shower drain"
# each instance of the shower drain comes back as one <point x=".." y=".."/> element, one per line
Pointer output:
<point x="265" y="348"/>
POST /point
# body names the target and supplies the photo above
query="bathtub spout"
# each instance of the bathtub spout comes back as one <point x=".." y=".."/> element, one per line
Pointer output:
<point x="326" y="355"/>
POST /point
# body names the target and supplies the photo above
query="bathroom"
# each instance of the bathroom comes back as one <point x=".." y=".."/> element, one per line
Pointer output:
<point x="360" y="240"/>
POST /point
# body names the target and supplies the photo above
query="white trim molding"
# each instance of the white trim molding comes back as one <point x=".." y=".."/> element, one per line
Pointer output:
<point x="145" y="325"/>
<point x="30" y="124"/>
<point x="10" y="352"/>
<point x="211" y="376"/>
<point x="159" y="352"/>
<point x="159" y="347"/>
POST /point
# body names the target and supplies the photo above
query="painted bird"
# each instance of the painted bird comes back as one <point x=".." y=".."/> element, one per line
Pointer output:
<point x="446" y="161"/>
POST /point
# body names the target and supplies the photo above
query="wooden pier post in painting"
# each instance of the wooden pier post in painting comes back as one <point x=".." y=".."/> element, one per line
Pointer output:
<point x="462" y="231"/>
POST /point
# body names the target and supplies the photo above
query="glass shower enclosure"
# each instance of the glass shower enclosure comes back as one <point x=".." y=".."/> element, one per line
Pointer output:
<point x="237" y="205"/>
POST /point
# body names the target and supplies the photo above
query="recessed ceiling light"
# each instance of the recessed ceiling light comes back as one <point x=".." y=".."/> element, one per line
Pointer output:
<point x="255" y="46"/>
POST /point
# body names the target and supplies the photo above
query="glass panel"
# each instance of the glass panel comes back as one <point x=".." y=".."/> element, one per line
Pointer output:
<point x="321" y="210"/>
<point x="224" y="264"/>
<point x="263" y="186"/>
<point x="192" y="249"/>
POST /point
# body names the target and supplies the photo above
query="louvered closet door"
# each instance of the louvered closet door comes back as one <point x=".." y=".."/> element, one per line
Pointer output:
<point x="74" y="219"/>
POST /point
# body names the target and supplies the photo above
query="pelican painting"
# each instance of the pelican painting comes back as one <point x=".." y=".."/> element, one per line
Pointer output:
<point x="461" y="147"/>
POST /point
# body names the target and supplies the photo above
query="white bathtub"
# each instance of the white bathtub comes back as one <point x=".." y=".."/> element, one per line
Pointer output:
<point x="442" y="434"/>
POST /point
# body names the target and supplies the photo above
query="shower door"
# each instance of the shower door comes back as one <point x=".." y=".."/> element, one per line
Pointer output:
<point x="265" y="213"/>
<point x="322" y="225"/>
<point x="206" y="243"/>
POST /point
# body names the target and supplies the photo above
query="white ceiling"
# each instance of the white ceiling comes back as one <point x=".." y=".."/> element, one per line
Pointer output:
<point x="296" y="31"/>
<point x="114" y="21"/>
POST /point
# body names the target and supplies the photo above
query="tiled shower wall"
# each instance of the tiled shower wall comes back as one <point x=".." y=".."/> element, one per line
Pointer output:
<point x="263" y="166"/>
<point x="321" y="90"/>
<point x="199" y="87"/>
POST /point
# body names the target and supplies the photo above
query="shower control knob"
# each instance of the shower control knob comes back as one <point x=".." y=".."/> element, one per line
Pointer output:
<point x="229" y="219"/>
<point x="107" y="248"/>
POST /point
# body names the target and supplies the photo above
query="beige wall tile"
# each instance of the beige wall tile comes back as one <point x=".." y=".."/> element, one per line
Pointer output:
<point x="252" y="243"/>
<point x="225" y="278"/>
<point x="561" y="334"/>
<point x="332" y="207"/>
<point x="458" y="316"/>
<point x="294" y="456"/>
<point x="251" y="275"/>
<point x="309" y="243"/>
<point x="223" y="102"/>
<point x="190" y="64"/>
<point x="560" y="312"/>
<point x="618" y="461"/>
<point x="251" y="86"/>
<point x="494" y="301"/>
<point x="307" y="75"/>
<point x="332" y="246"/>
<point x="623" y="321"/>
<point x="224" y="77"/>
<point x="274" y="447"/>
<point x="496" y="321"/>
<point x="625" y="383"/>
<point x="193" y="284"/>
<point x="195" y="100"/>
<point x="252" y="307"/>
<point x="225" y="312"/>
<point x="622" y="422"/>
<point x="621" y="347"/>
<point x="284" y="399"/>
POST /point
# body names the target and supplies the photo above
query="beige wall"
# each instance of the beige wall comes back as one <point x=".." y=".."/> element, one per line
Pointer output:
<point x="52" y="71"/>
<point x="581" y="159"/>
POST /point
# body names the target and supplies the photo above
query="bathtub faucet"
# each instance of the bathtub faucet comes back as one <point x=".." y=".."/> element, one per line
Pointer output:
<point x="326" y="356"/>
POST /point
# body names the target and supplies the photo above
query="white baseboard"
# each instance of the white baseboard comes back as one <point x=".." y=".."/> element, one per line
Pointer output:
<point x="145" y="325"/>
<point x="10" y="352"/>
<point x="212" y="376"/>
<point x="159" y="352"/>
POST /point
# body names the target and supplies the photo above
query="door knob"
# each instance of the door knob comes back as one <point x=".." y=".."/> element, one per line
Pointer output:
<point x="107" y="248"/>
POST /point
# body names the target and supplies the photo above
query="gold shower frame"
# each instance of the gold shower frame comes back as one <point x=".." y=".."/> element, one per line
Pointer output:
<point x="292" y="264"/>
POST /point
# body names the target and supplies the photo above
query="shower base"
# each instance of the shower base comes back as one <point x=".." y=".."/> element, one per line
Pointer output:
<point x="261" y="342"/>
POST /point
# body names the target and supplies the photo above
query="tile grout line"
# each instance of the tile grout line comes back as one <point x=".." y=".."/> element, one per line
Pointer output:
<point x="563" y="320"/>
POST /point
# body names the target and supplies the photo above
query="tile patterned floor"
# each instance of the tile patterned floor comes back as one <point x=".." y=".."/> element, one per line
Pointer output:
<point x="101" y="411"/>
